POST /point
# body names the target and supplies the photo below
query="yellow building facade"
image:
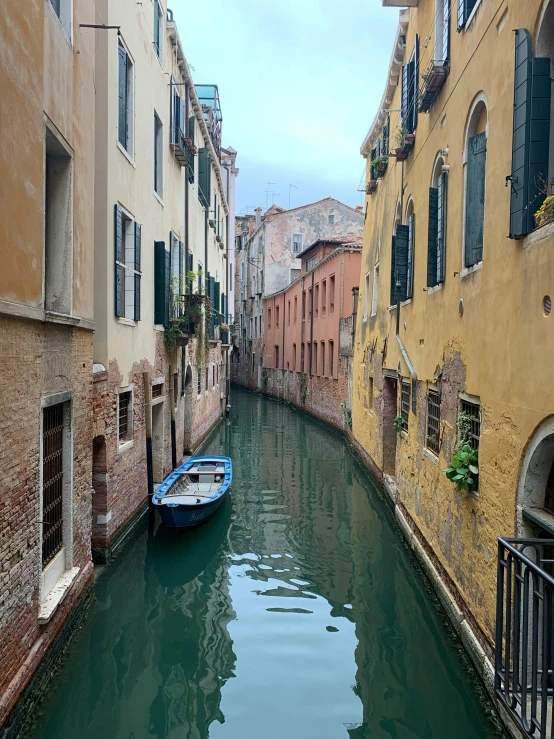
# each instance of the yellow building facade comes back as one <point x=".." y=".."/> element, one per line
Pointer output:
<point x="454" y="319"/>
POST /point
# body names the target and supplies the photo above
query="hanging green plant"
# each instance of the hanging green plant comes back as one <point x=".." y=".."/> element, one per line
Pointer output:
<point x="398" y="424"/>
<point x="464" y="468"/>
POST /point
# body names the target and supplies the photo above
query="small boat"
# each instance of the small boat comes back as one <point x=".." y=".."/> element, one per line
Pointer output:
<point x="194" y="491"/>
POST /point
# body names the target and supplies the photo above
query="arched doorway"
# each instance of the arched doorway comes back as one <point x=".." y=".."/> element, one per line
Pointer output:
<point x="100" y="488"/>
<point x="535" y="498"/>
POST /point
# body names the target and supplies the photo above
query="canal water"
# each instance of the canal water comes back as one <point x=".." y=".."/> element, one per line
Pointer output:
<point x="296" y="612"/>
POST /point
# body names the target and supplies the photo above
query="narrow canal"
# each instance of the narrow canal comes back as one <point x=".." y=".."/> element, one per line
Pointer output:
<point x="297" y="612"/>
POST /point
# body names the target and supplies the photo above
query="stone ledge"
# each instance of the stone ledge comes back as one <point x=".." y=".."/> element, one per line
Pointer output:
<point x="56" y="595"/>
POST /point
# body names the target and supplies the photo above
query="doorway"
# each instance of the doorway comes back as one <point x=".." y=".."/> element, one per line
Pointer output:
<point x="389" y="434"/>
<point x="158" y="442"/>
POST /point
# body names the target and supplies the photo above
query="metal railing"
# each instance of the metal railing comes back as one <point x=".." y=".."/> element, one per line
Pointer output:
<point x="524" y="658"/>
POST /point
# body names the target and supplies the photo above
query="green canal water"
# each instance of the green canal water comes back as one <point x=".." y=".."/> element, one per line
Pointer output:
<point x="296" y="612"/>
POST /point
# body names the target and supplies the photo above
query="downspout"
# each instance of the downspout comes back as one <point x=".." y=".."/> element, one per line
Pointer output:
<point x="312" y="325"/>
<point x="225" y="318"/>
<point x="284" y="324"/>
<point x="406" y="359"/>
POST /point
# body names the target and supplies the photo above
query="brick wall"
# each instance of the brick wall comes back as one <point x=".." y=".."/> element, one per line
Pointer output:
<point x="38" y="360"/>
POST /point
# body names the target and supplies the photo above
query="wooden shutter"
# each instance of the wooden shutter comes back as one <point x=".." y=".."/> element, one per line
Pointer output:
<point x="411" y="255"/>
<point x="137" y="269"/>
<point x="159" y="282"/>
<point x="181" y="115"/>
<point x="530" y="143"/>
<point x="402" y="245"/>
<point x="404" y="96"/>
<point x="204" y="177"/>
<point x="441" y="227"/>
<point x="166" y="286"/>
<point x="217" y="297"/>
<point x="386" y="135"/>
<point x="432" y="237"/>
<point x="181" y="270"/>
<point x="191" y="128"/>
<point x="224" y="306"/>
<point x="475" y="198"/>
<point x="415" y="84"/>
<point x="172" y="103"/>
<point x="119" y="277"/>
<point x="122" y="112"/>
<point x="393" y="273"/>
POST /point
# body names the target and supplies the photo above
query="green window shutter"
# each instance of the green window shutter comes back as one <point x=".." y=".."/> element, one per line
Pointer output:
<point x="182" y="127"/>
<point x="138" y="231"/>
<point x="224" y="306"/>
<point x="415" y="91"/>
<point x="475" y="198"/>
<point x="386" y="136"/>
<point x="172" y="105"/>
<point x="181" y="270"/>
<point x="167" y="282"/>
<point x="411" y="255"/>
<point x="200" y="281"/>
<point x="217" y="296"/>
<point x="393" y="273"/>
<point x="119" y="276"/>
<point x="530" y="143"/>
<point x="204" y="171"/>
<point x="432" y="237"/>
<point x="441" y="227"/>
<point x="402" y="246"/>
<point x="404" y="96"/>
<point x="122" y="112"/>
<point x="191" y="128"/>
<point x="159" y="282"/>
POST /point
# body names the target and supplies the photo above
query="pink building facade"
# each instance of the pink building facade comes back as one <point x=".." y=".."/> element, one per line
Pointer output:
<point x="308" y="331"/>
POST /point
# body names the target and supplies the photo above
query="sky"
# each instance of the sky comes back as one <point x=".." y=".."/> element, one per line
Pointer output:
<point x="300" y="82"/>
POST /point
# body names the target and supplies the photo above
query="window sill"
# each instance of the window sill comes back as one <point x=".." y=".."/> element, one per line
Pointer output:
<point x="158" y="400"/>
<point x="121" y="448"/>
<point x="63" y="318"/>
<point x="159" y="327"/>
<point x="56" y="596"/>
<point x="126" y="154"/>
<point x="158" y="198"/>
<point x="431" y="456"/>
<point x="434" y="289"/>
<point x="404" y="435"/>
<point x="470" y="270"/>
<point x="540" y="234"/>
<point x="126" y="321"/>
<point x="403" y="304"/>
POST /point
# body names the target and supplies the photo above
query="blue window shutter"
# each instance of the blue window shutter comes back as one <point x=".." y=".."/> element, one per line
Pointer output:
<point x="441" y="227"/>
<point x="122" y="111"/>
<point x="159" y="282"/>
<point x="402" y="245"/>
<point x="475" y="198"/>
<point x="393" y="273"/>
<point x="432" y="237"/>
<point x="411" y="256"/>
<point x="119" y="276"/>
<point x="137" y="268"/>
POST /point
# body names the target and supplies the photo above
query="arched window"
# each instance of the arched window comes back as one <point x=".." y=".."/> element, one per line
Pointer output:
<point x="323" y="359"/>
<point x="475" y="165"/>
<point x="436" y="244"/>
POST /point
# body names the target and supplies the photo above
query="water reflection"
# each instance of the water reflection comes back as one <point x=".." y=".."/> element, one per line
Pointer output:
<point x="295" y="612"/>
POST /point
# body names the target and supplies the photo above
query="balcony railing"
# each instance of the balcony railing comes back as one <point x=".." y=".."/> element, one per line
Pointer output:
<point x="208" y="96"/>
<point x="183" y="148"/>
<point x="432" y="81"/>
<point x="524" y="659"/>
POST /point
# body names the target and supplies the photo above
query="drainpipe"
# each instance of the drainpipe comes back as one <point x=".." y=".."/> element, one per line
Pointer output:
<point x="406" y="359"/>
<point x="226" y="319"/>
<point x="284" y="324"/>
<point x="172" y="403"/>
<point x="355" y="293"/>
<point x="312" y="325"/>
<point x="148" y="424"/>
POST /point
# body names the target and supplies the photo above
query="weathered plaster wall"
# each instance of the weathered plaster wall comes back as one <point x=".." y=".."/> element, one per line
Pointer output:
<point x="497" y="350"/>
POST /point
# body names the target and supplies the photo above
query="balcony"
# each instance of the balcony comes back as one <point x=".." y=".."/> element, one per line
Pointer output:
<point x="183" y="148"/>
<point x="524" y="661"/>
<point x="186" y="312"/>
<point x="432" y="81"/>
<point x="208" y="95"/>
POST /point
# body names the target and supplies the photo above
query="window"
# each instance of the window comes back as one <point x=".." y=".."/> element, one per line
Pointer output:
<point x="331" y="219"/>
<point x="314" y="359"/>
<point x="436" y="244"/>
<point x="442" y="30"/>
<point x="125" y="416"/>
<point x="472" y="412"/>
<point x="311" y="263"/>
<point x="251" y="328"/>
<point x="289" y="312"/>
<point x="302" y="357"/>
<point x="316" y="301"/>
<point x="213" y="375"/>
<point x="297" y="240"/>
<point x="53" y="482"/>
<point x="405" y="404"/>
<point x="475" y="157"/>
<point x="58" y="230"/>
<point x="198" y="383"/>
<point x="253" y="361"/>
<point x="176" y="388"/>
<point x="303" y="305"/>
<point x="177" y="270"/>
<point x="366" y="297"/>
<point x="63" y="9"/>
<point x="158" y="155"/>
<point x="204" y="176"/>
<point x="331" y="294"/>
<point x="410" y="85"/>
<point x="295" y="307"/>
<point x="126" y="108"/>
<point x="207" y="380"/>
<point x="309" y="302"/>
<point x="323" y="297"/>
<point x="127" y="266"/>
<point x="276" y="357"/>
<point x="331" y="357"/>
<point x="375" y="293"/>
<point x="157" y="390"/>
<point x="465" y="8"/>
<point x="294" y="357"/>
<point x="399" y="264"/>
<point x="433" y="421"/>
<point x="269" y="317"/>
<point x="256" y="327"/>
<point x="276" y="316"/>
<point x="323" y="359"/>
<point x="158" y="29"/>
<point x="411" y="252"/>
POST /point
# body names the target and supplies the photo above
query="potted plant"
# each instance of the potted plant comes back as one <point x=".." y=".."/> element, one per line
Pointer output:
<point x="380" y="166"/>
<point x="545" y="213"/>
<point x="404" y="143"/>
<point x="371" y="187"/>
<point x="224" y="332"/>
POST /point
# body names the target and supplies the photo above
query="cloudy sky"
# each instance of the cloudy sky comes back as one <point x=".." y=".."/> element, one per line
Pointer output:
<point x="299" y="83"/>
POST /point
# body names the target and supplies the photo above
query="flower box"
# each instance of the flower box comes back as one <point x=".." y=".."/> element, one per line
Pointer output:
<point x="371" y="187"/>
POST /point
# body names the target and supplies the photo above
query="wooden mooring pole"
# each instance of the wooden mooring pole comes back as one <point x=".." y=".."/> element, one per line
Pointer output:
<point x="148" y="424"/>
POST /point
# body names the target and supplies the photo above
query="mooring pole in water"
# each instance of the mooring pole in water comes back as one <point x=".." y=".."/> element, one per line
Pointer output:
<point x="172" y="403"/>
<point x="148" y="425"/>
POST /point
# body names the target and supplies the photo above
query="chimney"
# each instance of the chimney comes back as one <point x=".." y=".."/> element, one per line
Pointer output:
<point x="258" y="212"/>
<point x="359" y="208"/>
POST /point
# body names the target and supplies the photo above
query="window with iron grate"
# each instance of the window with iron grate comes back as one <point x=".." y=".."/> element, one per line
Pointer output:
<point x="157" y="390"/>
<point x="405" y="404"/>
<point x="124" y="416"/>
<point x="433" y="421"/>
<point x="473" y="411"/>
<point x="52" y="482"/>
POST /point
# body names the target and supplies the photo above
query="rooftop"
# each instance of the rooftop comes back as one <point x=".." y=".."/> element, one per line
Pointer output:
<point x="354" y="241"/>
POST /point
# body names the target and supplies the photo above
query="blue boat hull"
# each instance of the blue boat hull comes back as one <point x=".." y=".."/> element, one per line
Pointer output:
<point x="186" y="517"/>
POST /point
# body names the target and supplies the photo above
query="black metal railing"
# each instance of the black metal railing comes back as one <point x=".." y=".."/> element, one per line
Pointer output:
<point x="183" y="148"/>
<point x="524" y="658"/>
<point x="216" y="319"/>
